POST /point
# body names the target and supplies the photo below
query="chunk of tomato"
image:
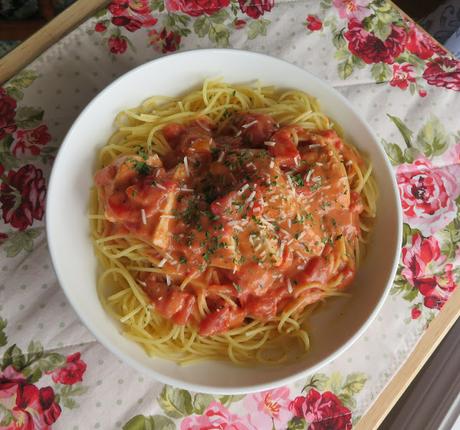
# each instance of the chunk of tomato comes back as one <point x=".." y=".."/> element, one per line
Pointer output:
<point x="262" y="308"/>
<point x="255" y="128"/>
<point x="215" y="322"/>
<point x="172" y="131"/>
<point x="285" y="148"/>
<point x="182" y="316"/>
<point x="317" y="270"/>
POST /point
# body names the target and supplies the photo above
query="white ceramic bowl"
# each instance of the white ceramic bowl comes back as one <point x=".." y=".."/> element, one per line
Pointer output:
<point x="333" y="328"/>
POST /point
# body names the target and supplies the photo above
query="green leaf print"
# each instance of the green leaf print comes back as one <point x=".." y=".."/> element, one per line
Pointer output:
<point x="154" y="422"/>
<point x="381" y="72"/>
<point x="3" y="336"/>
<point x="6" y="417"/>
<point x="157" y="5"/>
<point x="15" y="93"/>
<point x="354" y="383"/>
<point x="201" y="26"/>
<point x="338" y="40"/>
<point x="220" y="16"/>
<point x="7" y="160"/>
<point x="405" y="132"/>
<point x="201" y="402"/>
<point x="320" y="381"/>
<point x="451" y="238"/>
<point x="347" y="400"/>
<point x="34" y="351"/>
<point x="411" y="154"/>
<point x="345" y="68"/>
<point x="394" y="152"/>
<point x="433" y="139"/>
<point x="175" y="402"/>
<point x="219" y="34"/>
<point x="297" y="423"/>
<point x="13" y="356"/>
<point x="21" y="241"/>
<point x="335" y="382"/>
<point x="411" y="294"/>
<point x="228" y="400"/>
<point x="23" y="79"/>
<point x="66" y="394"/>
<point x="258" y="28"/>
<point x="381" y="28"/>
<point x="28" y="117"/>
<point x="51" y="361"/>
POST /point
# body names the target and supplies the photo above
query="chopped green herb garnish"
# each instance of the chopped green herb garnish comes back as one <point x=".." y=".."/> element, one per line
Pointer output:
<point x="142" y="168"/>
<point x="298" y="180"/>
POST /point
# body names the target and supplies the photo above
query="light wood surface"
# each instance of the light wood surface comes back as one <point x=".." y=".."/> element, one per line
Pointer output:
<point x="409" y="370"/>
<point x="31" y="48"/>
<point x="25" y="53"/>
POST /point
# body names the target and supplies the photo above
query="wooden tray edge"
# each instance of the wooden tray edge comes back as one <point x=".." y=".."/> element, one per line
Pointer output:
<point x="426" y="345"/>
<point x="57" y="28"/>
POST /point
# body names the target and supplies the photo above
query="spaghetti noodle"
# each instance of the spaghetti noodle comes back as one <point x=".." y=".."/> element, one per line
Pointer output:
<point x="221" y="219"/>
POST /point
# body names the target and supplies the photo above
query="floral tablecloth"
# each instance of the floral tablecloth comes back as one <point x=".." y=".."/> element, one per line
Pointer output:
<point x="53" y="372"/>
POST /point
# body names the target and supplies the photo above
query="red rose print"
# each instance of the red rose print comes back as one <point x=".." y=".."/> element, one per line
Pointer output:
<point x="370" y="48"/>
<point x="28" y="142"/>
<point x="131" y="24"/>
<point x="239" y="23"/>
<point x="7" y="113"/>
<point x="418" y="256"/>
<point x="323" y="411"/>
<point x="421" y="44"/>
<point x="22" y="196"/>
<point x="117" y="44"/>
<point x="256" y="8"/>
<point x="422" y="92"/>
<point x="402" y="75"/>
<point x="443" y="72"/>
<point x="170" y="41"/>
<point x="428" y="194"/>
<point x="415" y="313"/>
<point x="314" y="23"/>
<point x="100" y="27"/>
<point x="216" y="416"/>
<point x="196" y="7"/>
<point x="118" y="7"/>
<point x="269" y="409"/>
<point x="438" y="288"/>
<point x="137" y="14"/>
<point x="30" y="406"/>
<point x="72" y="371"/>
<point x="423" y="269"/>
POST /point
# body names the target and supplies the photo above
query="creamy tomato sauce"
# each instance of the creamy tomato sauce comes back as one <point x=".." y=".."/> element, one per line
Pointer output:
<point x="251" y="211"/>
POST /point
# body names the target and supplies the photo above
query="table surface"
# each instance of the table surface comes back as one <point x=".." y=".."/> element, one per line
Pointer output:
<point x="53" y="372"/>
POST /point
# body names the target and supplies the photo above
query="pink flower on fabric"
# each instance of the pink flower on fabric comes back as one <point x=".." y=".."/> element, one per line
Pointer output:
<point x="323" y="411"/>
<point x="421" y="44"/>
<point x="31" y="407"/>
<point x="452" y="155"/>
<point x="402" y="75"/>
<point x="29" y="142"/>
<point x="428" y="194"/>
<point x="216" y="416"/>
<point x="417" y="257"/>
<point x="269" y="409"/>
<point x="443" y="72"/>
<point x="357" y="9"/>
<point x="423" y="269"/>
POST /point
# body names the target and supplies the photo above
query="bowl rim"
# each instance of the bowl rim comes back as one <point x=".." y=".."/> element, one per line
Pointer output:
<point x="210" y="389"/>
